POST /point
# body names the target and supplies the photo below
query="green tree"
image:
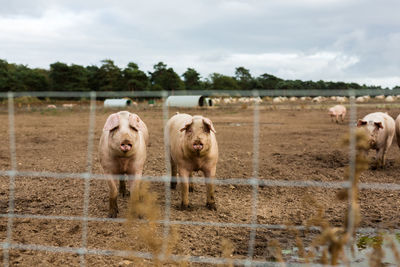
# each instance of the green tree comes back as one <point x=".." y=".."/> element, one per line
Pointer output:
<point x="355" y="86"/>
<point x="243" y="76"/>
<point x="165" y="78"/>
<point x="68" y="78"/>
<point x="289" y="85"/>
<point x="59" y="76"/>
<point x="268" y="81"/>
<point x="93" y="77"/>
<point x="191" y="79"/>
<point x="78" y="78"/>
<point x="310" y="85"/>
<point x="110" y="76"/>
<point x="135" y="79"/>
<point x="223" y="82"/>
<point x="27" y="79"/>
<point x="283" y="85"/>
<point x="336" y="85"/>
<point x="6" y="80"/>
<point x="321" y="85"/>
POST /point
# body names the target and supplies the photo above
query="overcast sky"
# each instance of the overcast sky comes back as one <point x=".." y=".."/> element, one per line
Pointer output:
<point x="336" y="40"/>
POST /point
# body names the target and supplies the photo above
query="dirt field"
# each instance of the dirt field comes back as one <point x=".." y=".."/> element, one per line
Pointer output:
<point x="297" y="142"/>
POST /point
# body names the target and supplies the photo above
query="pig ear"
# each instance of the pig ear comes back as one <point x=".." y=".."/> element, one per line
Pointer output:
<point x="186" y="124"/>
<point x="209" y="124"/>
<point x="135" y="122"/>
<point x="361" y="123"/>
<point x="378" y="125"/>
<point x="112" y="122"/>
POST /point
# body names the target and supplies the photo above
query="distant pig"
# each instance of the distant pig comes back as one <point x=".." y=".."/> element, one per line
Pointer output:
<point x="122" y="150"/>
<point x="193" y="147"/>
<point x="380" y="128"/>
<point x="336" y="111"/>
<point x="397" y="126"/>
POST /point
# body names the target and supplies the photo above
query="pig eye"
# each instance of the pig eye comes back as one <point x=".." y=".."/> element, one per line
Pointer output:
<point x="133" y="128"/>
<point x="189" y="130"/>
<point x="114" y="129"/>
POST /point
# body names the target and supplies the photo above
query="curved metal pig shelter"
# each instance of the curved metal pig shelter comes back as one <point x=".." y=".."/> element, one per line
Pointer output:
<point x="117" y="102"/>
<point x="188" y="101"/>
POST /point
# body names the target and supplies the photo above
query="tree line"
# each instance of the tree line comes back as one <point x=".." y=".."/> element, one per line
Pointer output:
<point x="109" y="77"/>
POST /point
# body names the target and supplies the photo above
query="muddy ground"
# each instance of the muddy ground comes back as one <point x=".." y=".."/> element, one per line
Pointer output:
<point x="297" y="143"/>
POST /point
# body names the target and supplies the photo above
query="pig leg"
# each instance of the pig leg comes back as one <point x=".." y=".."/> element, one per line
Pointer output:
<point x="122" y="188"/>
<point x="136" y="194"/>
<point x="113" y="211"/>
<point x="184" y="178"/>
<point x="384" y="150"/>
<point x="135" y="183"/>
<point x="191" y="185"/>
<point x="380" y="158"/>
<point x="342" y="116"/>
<point x="174" y="172"/>
<point x="337" y="118"/>
<point x="210" y="188"/>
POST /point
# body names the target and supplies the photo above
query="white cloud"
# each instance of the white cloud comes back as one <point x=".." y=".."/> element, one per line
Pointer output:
<point x="385" y="81"/>
<point x="53" y="25"/>
<point x="294" y="39"/>
<point x="285" y="65"/>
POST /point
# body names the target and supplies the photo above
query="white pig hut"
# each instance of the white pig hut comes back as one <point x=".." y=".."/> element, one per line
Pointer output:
<point x="113" y="103"/>
<point x="188" y="101"/>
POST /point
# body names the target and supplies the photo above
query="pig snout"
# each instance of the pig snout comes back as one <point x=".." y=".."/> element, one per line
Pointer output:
<point x="197" y="145"/>
<point x="126" y="146"/>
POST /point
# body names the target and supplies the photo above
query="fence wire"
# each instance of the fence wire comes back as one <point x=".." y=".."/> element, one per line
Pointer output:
<point x="254" y="182"/>
<point x="11" y="196"/>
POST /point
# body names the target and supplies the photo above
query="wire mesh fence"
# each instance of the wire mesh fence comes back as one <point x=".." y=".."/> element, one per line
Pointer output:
<point x="254" y="182"/>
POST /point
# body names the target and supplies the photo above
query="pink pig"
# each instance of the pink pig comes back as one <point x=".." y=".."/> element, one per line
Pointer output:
<point x="397" y="126"/>
<point x="336" y="111"/>
<point x="122" y="150"/>
<point x="193" y="147"/>
<point x="380" y="128"/>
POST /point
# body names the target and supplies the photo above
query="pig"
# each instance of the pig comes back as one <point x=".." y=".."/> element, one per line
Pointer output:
<point x="122" y="150"/>
<point x="192" y="146"/>
<point x="389" y="98"/>
<point x="397" y="129"/>
<point x="336" y="111"/>
<point x="380" y="128"/>
<point x="360" y="99"/>
<point x="68" y="105"/>
<point x="317" y="99"/>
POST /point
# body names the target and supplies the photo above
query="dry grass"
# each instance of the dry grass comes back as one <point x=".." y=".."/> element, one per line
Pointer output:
<point x="276" y="251"/>
<point x="144" y="210"/>
<point x="227" y="252"/>
<point x="143" y="205"/>
<point x="332" y="240"/>
<point x="326" y="248"/>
